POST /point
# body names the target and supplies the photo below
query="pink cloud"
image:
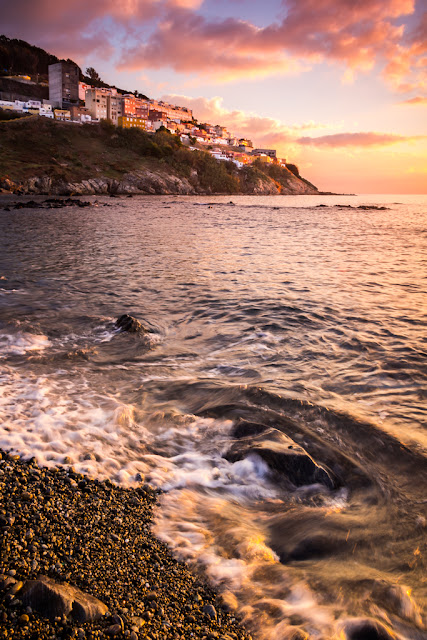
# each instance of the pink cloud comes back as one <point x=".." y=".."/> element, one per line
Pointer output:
<point x="158" y="34"/>
<point x="369" y="139"/>
<point x="354" y="34"/>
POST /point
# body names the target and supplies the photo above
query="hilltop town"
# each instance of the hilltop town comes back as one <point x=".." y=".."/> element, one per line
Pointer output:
<point x="73" y="101"/>
<point x="64" y="132"/>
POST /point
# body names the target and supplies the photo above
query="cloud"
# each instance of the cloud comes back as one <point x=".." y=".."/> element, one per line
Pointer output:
<point x="175" y="34"/>
<point x="355" y="35"/>
<point x="369" y="139"/>
<point x="264" y="131"/>
<point x="417" y="101"/>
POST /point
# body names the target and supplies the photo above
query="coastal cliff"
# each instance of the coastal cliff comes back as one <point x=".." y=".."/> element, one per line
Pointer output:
<point x="39" y="156"/>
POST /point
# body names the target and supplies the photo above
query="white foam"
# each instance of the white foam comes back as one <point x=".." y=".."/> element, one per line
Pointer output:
<point x="21" y="342"/>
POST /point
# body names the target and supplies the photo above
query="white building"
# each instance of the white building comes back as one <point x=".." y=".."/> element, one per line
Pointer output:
<point x="46" y="111"/>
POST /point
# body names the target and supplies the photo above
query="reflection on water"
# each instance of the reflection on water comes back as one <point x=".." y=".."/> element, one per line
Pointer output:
<point x="306" y="321"/>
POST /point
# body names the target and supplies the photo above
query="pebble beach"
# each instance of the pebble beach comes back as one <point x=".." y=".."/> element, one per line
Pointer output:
<point x="94" y="539"/>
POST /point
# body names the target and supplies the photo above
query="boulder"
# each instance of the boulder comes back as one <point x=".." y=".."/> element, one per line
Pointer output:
<point x="282" y="455"/>
<point x="130" y="324"/>
<point x="365" y="629"/>
<point x="244" y="428"/>
<point x="52" y="599"/>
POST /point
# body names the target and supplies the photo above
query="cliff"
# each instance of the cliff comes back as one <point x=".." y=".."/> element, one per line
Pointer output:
<point x="41" y="156"/>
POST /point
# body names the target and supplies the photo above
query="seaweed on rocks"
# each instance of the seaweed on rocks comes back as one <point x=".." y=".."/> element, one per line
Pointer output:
<point x="88" y="542"/>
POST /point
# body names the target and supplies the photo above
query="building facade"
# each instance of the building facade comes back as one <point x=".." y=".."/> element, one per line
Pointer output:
<point x="63" y="84"/>
<point x="96" y="102"/>
<point x="128" y="122"/>
<point x="114" y="108"/>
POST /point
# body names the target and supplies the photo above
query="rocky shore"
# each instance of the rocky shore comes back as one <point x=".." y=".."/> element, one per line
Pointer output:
<point x="78" y="560"/>
<point x="145" y="182"/>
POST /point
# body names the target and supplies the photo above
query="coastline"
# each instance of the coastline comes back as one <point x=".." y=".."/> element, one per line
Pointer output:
<point x="43" y="157"/>
<point x="95" y="536"/>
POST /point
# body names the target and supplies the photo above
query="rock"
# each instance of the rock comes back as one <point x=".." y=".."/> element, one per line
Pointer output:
<point x="243" y="429"/>
<point x="114" y="630"/>
<point x="210" y="611"/>
<point x="365" y="629"/>
<point x="130" y="324"/>
<point x="397" y="599"/>
<point x="52" y="599"/>
<point x="282" y="455"/>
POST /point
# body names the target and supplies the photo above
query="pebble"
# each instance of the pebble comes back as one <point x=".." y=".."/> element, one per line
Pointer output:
<point x="96" y="537"/>
<point x="114" y="630"/>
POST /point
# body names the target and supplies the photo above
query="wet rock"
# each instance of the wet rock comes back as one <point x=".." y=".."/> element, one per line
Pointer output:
<point x="52" y="599"/>
<point x="130" y="324"/>
<point x="397" y="599"/>
<point x="210" y="611"/>
<point x="244" y="429"/>
<point x="366" y="629"/>
<point x="113" y="630"/>
<point x="282" y="455"/>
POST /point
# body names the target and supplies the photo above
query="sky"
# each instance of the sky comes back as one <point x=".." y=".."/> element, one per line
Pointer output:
<point x="338" y="87"/>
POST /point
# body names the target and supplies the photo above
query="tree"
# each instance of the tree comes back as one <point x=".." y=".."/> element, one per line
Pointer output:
<point x="93" y="75"/>
<point x="293" y="169"/>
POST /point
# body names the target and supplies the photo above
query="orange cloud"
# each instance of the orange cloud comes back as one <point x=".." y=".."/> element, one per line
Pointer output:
<point x="369" y="139"/>
<point x="417" y="101"/>
<point x="264" y="131"/>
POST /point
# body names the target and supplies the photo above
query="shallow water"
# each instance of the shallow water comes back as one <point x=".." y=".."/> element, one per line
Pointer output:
<point x="307" y="319"/>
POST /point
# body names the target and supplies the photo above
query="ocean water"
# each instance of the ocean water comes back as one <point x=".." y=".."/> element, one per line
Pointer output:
<point x="307" y="319"/>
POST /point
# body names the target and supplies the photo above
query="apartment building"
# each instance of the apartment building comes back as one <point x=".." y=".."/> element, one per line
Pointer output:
<point x="63" y="84"/>
<point x="96" y="101"/>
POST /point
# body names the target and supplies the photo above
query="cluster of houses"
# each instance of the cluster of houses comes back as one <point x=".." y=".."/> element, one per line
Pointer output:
<point x="73" y="101"/>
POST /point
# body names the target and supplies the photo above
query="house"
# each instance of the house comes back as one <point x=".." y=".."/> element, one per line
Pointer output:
<point x="221" y="132"/>
<point x="62" y="115"/>
<point x="232" y="142"/>
<point x="262" y="157"/>
<point x="33" y="104"/>
<point x="129" y="122"/>
<point x="7" y="105"/>
<point x="244" y="142"/>
<point x="267" y="152"/>
<point x="80" y="114"/>
<point x="46" y="111"/>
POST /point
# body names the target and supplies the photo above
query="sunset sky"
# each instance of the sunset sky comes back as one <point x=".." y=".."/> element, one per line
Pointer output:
<point x="337" y="86"/>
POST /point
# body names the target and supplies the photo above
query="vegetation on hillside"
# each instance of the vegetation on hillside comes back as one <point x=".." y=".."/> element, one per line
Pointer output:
<point x="36" y="146"/>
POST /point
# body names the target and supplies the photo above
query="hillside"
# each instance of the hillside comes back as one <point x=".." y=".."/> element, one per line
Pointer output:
<point x="20" y="57"/>
<point x="38" y="155"/>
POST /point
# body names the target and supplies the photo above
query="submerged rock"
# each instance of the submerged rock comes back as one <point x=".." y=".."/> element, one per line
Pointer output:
<point x="130" y="324"/>
<point x="52" y="599"/>
<point x="366" y="629"/>
<point x="282" y="454"/>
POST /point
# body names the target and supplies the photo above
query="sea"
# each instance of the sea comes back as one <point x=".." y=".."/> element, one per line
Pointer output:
<point x="273" y="324"/>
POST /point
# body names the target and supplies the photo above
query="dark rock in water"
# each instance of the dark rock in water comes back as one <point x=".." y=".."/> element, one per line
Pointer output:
<point x="244" y="429"/>
<point x="314" y="546"/>
<point x="282" y="455"/>
<point x="130" y="324"/>
<point x="52" y="599"/>
<point x="366" y="629"/>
